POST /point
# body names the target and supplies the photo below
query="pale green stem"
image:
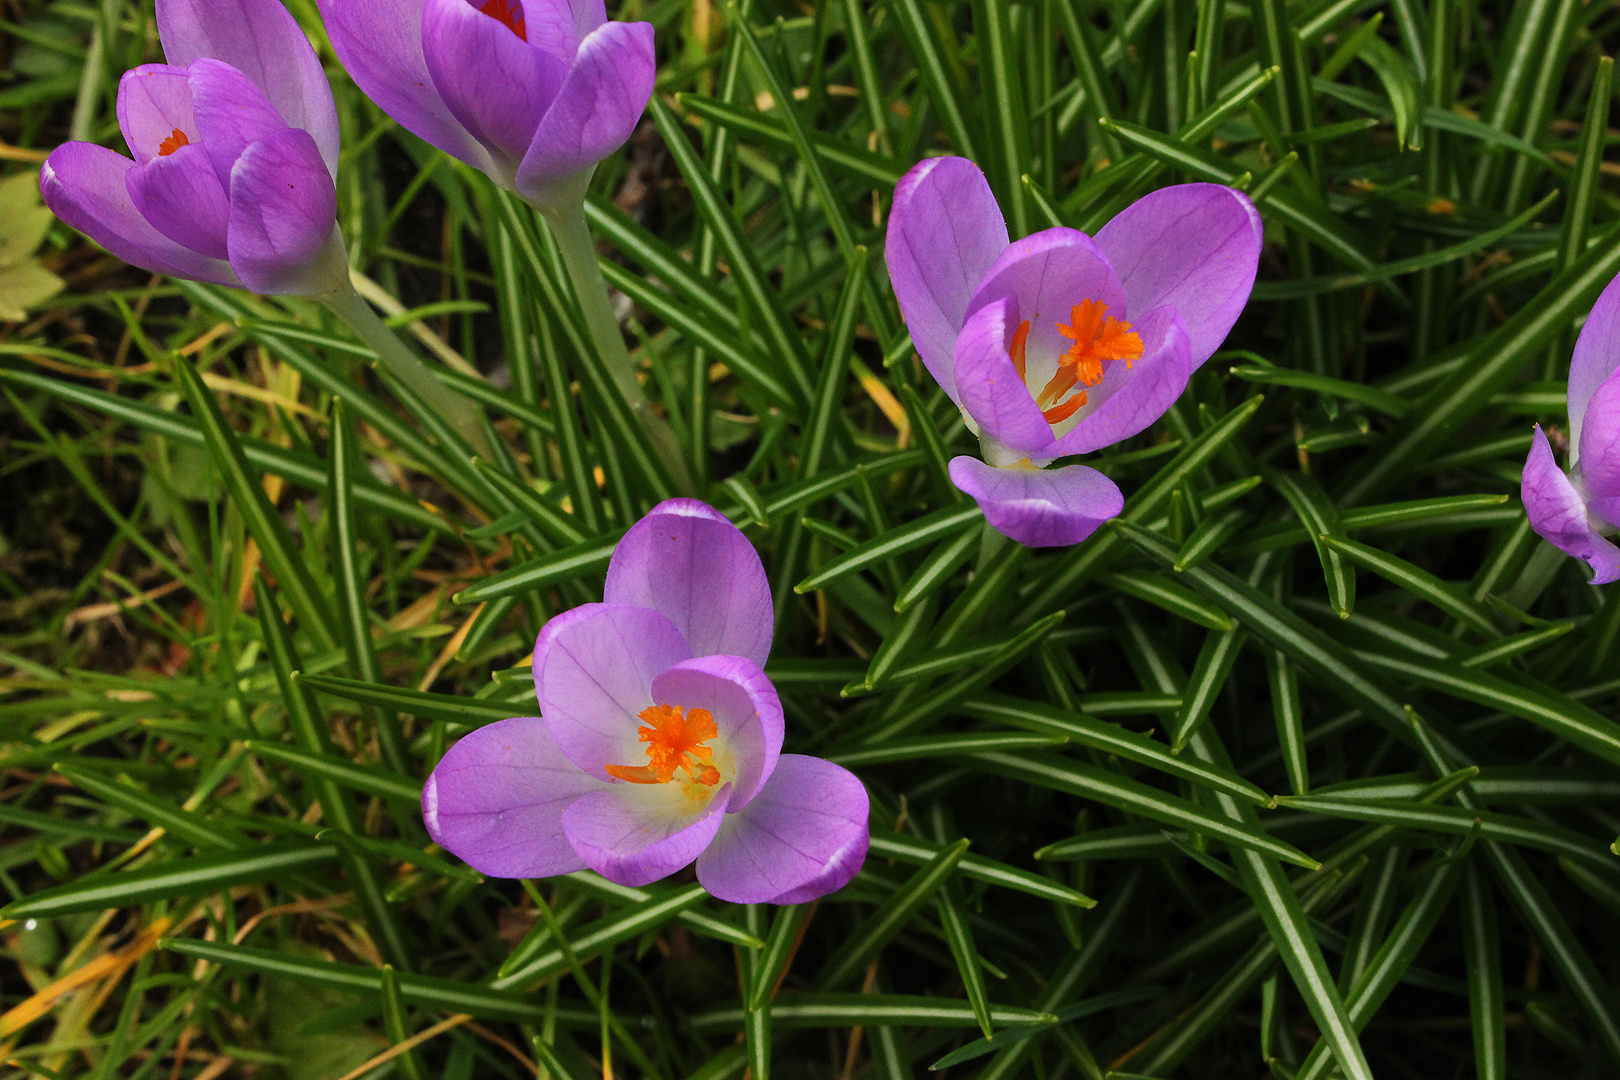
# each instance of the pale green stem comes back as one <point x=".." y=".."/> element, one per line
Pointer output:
<point x="567" y="220"/>
<point x="403" y="364"/>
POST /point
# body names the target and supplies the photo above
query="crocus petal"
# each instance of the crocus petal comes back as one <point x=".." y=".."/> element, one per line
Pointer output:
<point x="597" y="108"/>
<point x="1050" y="272"/>
<point x="283" y="216"/>
<point x="496" y="83"/>
<point x="593" y="673"/>
<point x="1129" y="399"/>
<point x="1558" y="513"/>
<point x="945" y="232"/>
<point x="802" y="838"/>
<point x="685" y="560"/>
<point x="381" y="46"/>
<point x="1195" y="247"/>
<point x="182" y="197"/>
<point x="746" y="711"/>
<point x="232" y="113"/>
<point x="262" y="40"/>
<point x="1598" y="456"/>
<point x="84" y="185"/>
<point x="1039" y="507"/>
<point x="558" y="26"/>
<point x="154" y="101"/>
<point x="988" y="385"/>
<point x="496" y="801"/>
<point x="1596" y="357"/>
<point x="635" y="837"/>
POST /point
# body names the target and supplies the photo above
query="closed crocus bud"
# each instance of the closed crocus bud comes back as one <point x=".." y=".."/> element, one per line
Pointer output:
<point x="532" y="92"/>
<point x="1573" y="511"/>
<point x="1061" y="343"/>
<point x="235" y="146"/>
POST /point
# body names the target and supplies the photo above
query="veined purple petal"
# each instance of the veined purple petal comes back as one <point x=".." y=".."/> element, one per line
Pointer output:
<point x="1596" y="356"/>
<point x="803" y="837"/>
<point x="496" y="801"/>
<point x="597" y="108"/>
<point x="1195" y="247"/>
<point x="1050" y="272"/>
<point x="496" y="84"/>
<point x="261" y="39"/>
<point x="593" y="673"/>
<point x="84" y="185"/>
<point x="945" y="232"/>
<point x="181" y="196"/>
<point x="154" y="101"/>
<point x="685" y="560"/>
<point x="636" y="834"/>
<point x="284" y="217"/>
<point x="1558" y="513"/>
<point x="558" y="26"/>
<point x="988" y="385"/>
<point x="1039" y="507"/>
<point x="232" y="113"/>
<point x="1130" y="399"/>
<point x="746" y="711"/>
<point x="1597" y="456"/>
<point x="381" y="46"/>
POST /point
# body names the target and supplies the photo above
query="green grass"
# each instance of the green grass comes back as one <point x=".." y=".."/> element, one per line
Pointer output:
<point x="1308" y="764"/>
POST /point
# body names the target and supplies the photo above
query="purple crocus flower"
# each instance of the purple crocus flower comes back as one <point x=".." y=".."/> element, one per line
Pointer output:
<point x="532" y="93"/>
<point x="1573" y="511"/>
<point x="235" y="144"/>
<point x="1061" y="343"/>
<point x="659" y="740"/>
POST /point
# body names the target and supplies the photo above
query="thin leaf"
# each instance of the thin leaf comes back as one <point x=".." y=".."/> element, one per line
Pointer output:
<point x="890" y="917"/>
<point x="171" y="880"/>
<point x="1089" y="782"/>
<point x="1111" y="739"/>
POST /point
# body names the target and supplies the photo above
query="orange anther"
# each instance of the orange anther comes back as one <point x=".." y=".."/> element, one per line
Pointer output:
<point x="1098" y="339"/>
<point x="1016" y="349"/>
<point x="508" y="12"/>
<point x="1065" y="410"/>
<point x="175" y="141"/>
<point x="675" y="740"/>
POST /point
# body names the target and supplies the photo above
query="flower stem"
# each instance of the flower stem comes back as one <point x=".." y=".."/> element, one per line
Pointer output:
<point x="400" y="362"/>
<point x="578" y="250"/>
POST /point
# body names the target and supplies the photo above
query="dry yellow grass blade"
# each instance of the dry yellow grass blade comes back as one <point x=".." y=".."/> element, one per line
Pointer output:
<point x="421" y="611"/>
<point x="110" y="966"/>
<point x="93" y="612"/>
<point x="886" y="402"/>
<point x="450" y="649"/>
<point x="415" y="1040"/>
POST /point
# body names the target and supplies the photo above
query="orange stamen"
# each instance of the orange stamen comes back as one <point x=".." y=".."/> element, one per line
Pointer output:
<point x="508" y="12"/>
<point x="1065" y="410"/>
<point x="1098" y="339"/>
<point x="1016" y="349"/>
<point x="1061" y="383"/>
<point x="175" y="141"/>
<point x="674" y="741"/>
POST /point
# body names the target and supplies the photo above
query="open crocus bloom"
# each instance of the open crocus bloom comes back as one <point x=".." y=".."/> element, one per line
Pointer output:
<point x="1573" y="511"/>
<point x="1061" y="343"/>
<point x="532" y="93"/>
<point x="659" y="740"/>
<point x="235" y="144"/>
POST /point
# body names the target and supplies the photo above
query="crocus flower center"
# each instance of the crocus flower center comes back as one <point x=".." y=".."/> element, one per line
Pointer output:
<point x="1098" y="338"/>
<point x="175" y="141"/>
<point x="509" y="12"/>
<point x="675" y="740"/>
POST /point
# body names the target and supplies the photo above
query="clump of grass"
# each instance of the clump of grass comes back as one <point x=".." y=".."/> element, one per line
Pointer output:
<point x="1304" y="766"/>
